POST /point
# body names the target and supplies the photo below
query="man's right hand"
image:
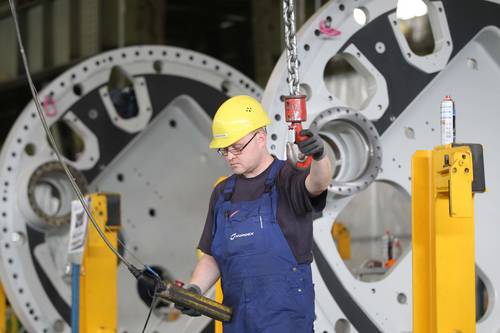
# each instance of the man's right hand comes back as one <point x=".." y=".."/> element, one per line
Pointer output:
<point x="186" y="310"/>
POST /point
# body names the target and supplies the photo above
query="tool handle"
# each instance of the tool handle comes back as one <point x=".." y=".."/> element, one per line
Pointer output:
<point x="200" y="303"/>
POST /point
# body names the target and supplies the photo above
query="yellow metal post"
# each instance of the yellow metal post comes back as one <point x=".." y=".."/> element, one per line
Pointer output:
<point x="443" y="241"/>
<point x="98" y="280"/>
<point x="218" y="297"/>
<point x="3" y="310"/>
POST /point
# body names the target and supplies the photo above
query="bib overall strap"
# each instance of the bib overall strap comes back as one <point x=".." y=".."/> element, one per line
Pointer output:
<point x="271" y="189"/>
<point x="271" y="176"/>
<point x="224" y="198"/>
<point x="229" y="188"/>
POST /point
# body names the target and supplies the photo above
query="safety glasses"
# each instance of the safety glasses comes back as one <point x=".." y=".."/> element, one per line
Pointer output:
<point x="235" y="151"/>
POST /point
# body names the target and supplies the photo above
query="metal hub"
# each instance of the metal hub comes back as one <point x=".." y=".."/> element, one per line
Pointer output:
<point x="50" y="193"/>
<point x="354" y="148"/>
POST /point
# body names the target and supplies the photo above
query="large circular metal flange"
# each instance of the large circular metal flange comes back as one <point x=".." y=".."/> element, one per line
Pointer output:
<point x="377" y="67"/>
<point x="134" y="121"/>
<point x="354" y="148"/>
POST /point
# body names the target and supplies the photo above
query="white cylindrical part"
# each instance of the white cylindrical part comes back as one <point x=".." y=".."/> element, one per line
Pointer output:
<point x="447" y="121"/>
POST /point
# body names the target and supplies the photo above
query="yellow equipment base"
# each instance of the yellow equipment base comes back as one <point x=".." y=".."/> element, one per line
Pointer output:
<point x="443" y="241"/>
<point x="98" y="279"/>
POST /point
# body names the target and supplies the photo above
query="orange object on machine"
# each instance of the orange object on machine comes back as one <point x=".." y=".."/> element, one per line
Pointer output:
<point x="389" y="263"/>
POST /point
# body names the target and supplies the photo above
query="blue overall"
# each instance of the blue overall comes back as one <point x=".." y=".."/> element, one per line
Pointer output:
<point x="261" y="279"/>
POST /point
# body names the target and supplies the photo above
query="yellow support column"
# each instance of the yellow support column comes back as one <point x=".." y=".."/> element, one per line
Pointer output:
<point x="3" y="310"/>
<point x="98" y="280"/>
<point x="443" y="241"/>
<point x="218" y="297"/>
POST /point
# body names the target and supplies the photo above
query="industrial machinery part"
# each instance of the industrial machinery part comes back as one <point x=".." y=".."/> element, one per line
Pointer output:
<point x="98" y="310"/>
<point x="443" y="237"/>
<point x="388" y="76"/>
<point x="204" y="305"/>
<point x="295" y="103"/>
<point x="47" y="178"/>
<point x="135" y="121"/>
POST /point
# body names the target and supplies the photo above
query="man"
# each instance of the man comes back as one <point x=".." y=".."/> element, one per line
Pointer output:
<point x="258" y="231"/>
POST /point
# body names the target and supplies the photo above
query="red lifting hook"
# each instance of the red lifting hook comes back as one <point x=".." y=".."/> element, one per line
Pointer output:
<point x="295" y="114"/>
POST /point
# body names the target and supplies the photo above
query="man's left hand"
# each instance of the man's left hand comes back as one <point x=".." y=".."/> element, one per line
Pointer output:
<point x="189" y="311"/>
<point x="313" y="145"/>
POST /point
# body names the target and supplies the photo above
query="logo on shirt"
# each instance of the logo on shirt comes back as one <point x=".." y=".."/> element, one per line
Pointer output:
<point x="234" y="213"/>
<point x="235" y="235"/>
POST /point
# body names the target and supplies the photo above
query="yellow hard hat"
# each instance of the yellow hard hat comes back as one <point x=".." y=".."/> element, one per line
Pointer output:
<point x="235" y="118"/>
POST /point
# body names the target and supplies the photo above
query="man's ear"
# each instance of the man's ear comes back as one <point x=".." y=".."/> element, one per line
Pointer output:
<point x="262" y="136"/>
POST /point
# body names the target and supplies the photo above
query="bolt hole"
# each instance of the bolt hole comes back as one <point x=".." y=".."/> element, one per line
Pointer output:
<point x="402" y="299"/>
<point x="77" y="89"/>
<point x="157" y="66"/>
<point x="30" y="149"/>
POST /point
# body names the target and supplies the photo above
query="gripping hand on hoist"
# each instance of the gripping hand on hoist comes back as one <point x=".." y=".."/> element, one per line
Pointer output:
<point x="309" y="144"/>
<point x="304" y="145"/>
<point x="295" y="114"/>
<point x="312" y="146"/>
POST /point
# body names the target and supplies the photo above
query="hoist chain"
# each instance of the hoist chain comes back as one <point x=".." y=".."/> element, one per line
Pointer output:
<point x="291" y="47"/>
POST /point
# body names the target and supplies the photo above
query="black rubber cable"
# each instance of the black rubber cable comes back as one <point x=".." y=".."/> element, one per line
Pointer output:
<point x="153" y="303"/>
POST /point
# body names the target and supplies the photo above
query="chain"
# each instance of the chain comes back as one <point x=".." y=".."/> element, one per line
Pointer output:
<point x="291" y="47"/>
